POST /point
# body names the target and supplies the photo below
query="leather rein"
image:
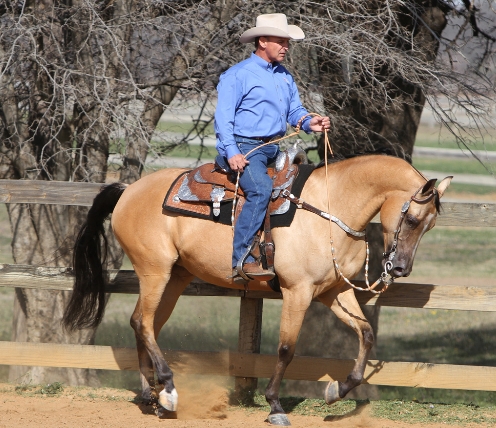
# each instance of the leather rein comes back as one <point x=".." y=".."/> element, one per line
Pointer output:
<point x="386" y="278"/>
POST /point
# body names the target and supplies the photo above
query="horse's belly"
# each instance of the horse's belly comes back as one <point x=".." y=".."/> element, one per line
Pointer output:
<point x="205" y="250"/>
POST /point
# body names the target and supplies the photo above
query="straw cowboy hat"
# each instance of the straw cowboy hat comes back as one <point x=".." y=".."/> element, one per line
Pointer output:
<point x="272" y="24"/>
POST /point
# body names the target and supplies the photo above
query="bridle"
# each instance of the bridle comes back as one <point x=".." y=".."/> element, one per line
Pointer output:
<point x="389" y="255"/>
<point x="386" y="278"/>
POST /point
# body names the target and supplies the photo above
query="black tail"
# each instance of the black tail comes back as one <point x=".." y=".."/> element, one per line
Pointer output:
<point x="87" y="303"/>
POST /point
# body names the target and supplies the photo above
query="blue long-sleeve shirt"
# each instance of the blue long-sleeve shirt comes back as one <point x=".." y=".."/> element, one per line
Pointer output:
<point x="255" y="99"/>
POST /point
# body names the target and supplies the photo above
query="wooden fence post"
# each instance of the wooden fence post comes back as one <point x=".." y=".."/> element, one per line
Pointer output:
<point x="250" y="336"/>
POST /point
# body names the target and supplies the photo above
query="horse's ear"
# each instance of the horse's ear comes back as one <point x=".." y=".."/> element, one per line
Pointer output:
<point x="428" y="187"/>
<point x="444" y="185"/>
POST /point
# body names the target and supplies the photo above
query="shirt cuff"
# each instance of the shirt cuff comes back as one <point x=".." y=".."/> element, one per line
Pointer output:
<point x="232" y="150"/>
<point x="306" y="125"/>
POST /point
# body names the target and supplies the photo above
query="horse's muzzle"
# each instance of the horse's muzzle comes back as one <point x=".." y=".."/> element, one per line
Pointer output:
<point x="400" y="268"/>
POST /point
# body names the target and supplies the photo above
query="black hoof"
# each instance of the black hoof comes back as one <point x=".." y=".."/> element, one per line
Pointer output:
<point x="279" y="419"/>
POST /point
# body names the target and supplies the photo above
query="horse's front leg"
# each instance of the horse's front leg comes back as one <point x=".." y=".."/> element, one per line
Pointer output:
<point x="344" y="304"/>
<point x="294" y="306"/>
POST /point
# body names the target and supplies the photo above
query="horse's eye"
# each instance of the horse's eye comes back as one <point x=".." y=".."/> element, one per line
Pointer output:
<point x="411" y="221"/>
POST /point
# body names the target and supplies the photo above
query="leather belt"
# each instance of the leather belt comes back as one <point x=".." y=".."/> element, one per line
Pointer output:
<point x="262" y="139"/>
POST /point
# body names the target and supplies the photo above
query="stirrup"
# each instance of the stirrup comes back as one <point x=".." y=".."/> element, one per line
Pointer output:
<point x="237" y="278"/>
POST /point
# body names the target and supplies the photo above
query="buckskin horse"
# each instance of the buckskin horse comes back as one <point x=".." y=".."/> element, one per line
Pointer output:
<point x="314" y="258"/>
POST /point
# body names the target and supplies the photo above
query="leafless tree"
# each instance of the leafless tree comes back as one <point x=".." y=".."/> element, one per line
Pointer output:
<point x="85" y="78"/>
<point x="80" y="79"/>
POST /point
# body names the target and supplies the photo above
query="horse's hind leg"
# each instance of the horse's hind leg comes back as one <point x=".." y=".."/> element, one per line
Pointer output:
<point x="347" y="309"/>
<point x="158" y="296"/>
<point x="294" y="306"/>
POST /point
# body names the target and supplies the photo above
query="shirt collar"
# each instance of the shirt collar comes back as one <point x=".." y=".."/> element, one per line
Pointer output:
<point x="264" y="64"/>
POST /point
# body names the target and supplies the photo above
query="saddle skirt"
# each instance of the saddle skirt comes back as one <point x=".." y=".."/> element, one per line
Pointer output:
<point x="202" y="191"/>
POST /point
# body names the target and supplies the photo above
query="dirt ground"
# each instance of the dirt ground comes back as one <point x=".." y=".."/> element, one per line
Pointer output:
<point x="85" y="407"/>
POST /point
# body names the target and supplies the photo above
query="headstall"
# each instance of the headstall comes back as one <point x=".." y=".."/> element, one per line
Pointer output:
<point x="386" y="278"/>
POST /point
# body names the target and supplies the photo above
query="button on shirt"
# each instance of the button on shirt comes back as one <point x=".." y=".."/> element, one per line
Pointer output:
<point x="256" y="99"/>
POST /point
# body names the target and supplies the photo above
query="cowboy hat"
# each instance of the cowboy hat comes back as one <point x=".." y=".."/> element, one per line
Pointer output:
<point x="272" y="24"/>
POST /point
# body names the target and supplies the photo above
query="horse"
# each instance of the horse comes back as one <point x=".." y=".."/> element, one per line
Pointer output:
<point x="314" y="258"/>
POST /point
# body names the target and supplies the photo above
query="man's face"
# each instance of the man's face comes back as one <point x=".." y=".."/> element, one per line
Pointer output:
<point x="275" y="47"/>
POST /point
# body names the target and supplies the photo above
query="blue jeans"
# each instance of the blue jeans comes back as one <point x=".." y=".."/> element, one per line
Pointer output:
<point x="257" y="186"/>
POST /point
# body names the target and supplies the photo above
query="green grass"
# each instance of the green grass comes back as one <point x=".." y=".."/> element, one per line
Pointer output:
<point x="434" y="136"/>
<point x="186" y="151"/>
<point x="434" y="395"/>
<point x="182" y="127"/>
<point x="451" y="252"/>
<point x="434" y="412"/>
<point x="50" y="389"/>
<point x="454" y="166"/>
<point x="409" y="411"/>
<point x="448" y="142"/>
<point x="463" y="189"/>
<point x="465" y="347"/>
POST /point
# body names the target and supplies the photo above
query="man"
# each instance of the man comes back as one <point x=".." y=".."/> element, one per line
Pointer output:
<point x="256" y="99"/>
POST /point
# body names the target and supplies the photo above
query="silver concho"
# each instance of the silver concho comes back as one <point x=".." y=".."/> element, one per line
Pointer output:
<point x="217" y="194"/>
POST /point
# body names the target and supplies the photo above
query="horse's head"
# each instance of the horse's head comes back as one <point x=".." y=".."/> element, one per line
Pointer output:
<point x="405" y="220"/>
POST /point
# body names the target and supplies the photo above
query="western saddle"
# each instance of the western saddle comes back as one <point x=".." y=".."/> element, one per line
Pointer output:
<point x="201" y="191"/>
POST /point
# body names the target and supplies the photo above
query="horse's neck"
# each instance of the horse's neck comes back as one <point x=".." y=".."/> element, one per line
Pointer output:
<point x="358" y="187"/>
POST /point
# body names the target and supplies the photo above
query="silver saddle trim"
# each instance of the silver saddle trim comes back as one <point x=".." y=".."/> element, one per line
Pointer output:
<point x="184" y="192"/>
<point x="217" y="194"/>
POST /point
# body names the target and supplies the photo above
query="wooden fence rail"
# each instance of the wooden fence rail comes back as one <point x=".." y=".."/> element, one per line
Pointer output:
<point x="399" y="294"/>
<point x="252" y="365"/>
<point x="247" y="363"/>
<point x="66" y="193"/>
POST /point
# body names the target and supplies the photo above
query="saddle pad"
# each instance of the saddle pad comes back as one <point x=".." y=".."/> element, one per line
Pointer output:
<point x="285" y="220"/>
<point x="204" y="209"/>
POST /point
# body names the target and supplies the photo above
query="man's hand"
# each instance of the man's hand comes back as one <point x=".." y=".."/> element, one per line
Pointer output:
<point x="237" y="163"/>
<point x="318" y="124"/>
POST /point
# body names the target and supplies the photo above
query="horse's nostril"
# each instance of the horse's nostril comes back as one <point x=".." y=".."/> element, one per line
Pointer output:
<point x="398" y="271"/>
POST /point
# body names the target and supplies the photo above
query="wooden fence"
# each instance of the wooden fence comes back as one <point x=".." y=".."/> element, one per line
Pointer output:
<point x="247" y="363"/>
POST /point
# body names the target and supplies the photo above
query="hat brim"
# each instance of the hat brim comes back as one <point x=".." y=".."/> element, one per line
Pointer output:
<point x="294" y="33"/>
